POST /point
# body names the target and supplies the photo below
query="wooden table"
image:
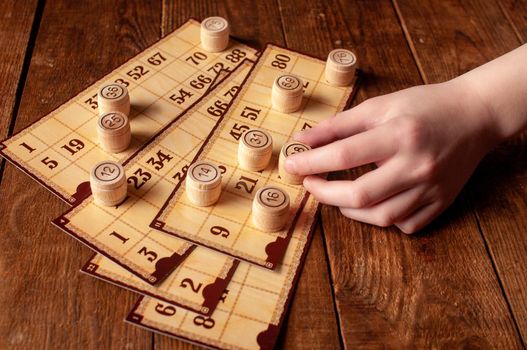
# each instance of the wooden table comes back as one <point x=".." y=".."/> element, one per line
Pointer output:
<point x="460" y="283"/>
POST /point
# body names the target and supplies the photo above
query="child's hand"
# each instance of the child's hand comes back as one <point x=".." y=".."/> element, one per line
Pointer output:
<point x="425" y="141"/>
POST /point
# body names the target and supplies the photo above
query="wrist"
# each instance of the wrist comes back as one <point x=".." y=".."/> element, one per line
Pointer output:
<point x="476" y="108"/>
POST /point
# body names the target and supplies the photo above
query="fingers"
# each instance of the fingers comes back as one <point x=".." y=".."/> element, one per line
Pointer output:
<point x="389" y="211"/>
<point x="334" y="128"/>
<point x="367" y="147"/>
<point x="420" y="218"/>
<point x="379" y="184"/>
<point x="369" y="189"/>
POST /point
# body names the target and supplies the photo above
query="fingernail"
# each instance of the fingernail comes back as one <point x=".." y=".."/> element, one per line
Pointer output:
<point x="290" y="166"/>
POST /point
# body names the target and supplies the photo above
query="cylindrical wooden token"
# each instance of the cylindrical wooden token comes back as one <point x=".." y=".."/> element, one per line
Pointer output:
<point x="113" y="97"/>
<point x="255" y="149"/>
<point x="113" y="131"/>
<point x="203" y="183"/>
<point x="288" y="149"/>
<point x="287" y="92"/>
<point x="108" y="183"/>
<point x="270" y="209"/>
<point x="340" y="67"/>
<point x="214" y="34"/>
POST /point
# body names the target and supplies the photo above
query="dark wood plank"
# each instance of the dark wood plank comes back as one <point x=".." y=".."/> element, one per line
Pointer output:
<point x="516" y="13"/>
<point x="253" y="23"/>
<point x="312" y="321"/>
<point x="16" y="22"/>
<point x="499" y="192"/>
<point x="46" y="302"/>
<point x="451" y="38"/>
<point x="437" y="289"/>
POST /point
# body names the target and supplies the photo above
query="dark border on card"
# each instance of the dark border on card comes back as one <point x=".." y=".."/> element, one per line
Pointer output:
<point x="164" y="266"/>
<point x="212" y="292"/>
<point x="275" y="250"/>
<point x="81" y="191"/>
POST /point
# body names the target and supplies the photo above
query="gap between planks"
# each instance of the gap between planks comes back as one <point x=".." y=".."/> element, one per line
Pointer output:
<point x="409" y="42"/>
<point x="23" y="73"/>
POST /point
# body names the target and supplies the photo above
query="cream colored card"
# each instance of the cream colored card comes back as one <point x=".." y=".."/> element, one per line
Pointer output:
<point x="164" y="80"/>
<point x="194" y="286"/>
<point x="227" y="226"/>
<point x="122" y="233"/>
<point x="250" y="315"/>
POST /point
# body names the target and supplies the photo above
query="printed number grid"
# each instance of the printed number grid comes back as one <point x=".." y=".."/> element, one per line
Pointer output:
<point x="227" y="226"/>
<point x="183" y="288"/>
<point x="122" y="233"/>
<point x="165" y="79"/>
<point x="256" y="299"/>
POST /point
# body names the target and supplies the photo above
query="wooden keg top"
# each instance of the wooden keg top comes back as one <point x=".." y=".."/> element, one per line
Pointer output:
<point x="107" y="175"/>
<point x="293" y="147"/>
<point x="271" y="200"/>
<point x="256" y="141"/>
<point x="288" y="84"/>
<point x="215" y="26"/>
<point x="113" y="123"/>
<point x="342" y="60"/>
<point x="204" y="175"/>
<point x="113" y="93"/>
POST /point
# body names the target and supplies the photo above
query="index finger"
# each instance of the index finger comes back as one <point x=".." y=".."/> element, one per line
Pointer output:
<point x="364" y="148"/>
<point x="334" y="128"/>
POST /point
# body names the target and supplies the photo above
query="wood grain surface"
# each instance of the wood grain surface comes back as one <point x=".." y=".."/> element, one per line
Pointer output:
<point x="47" y="303"/>
<point x="498" y="191"/>
<point x="17" y="23"/>
<point x="460" y="283"/>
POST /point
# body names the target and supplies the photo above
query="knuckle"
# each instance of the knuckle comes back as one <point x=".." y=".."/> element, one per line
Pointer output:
<point x="342" y="158"/>
<point x="359" y="198"/>
<point x="369" y="103"/>
<point x="428" y="169"/>
<point x="385" y="219"/>
<point x="413" y="133"/>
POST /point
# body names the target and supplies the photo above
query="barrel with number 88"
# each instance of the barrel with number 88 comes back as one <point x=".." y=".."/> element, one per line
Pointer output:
<point x="287" y="150"/>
